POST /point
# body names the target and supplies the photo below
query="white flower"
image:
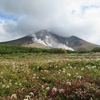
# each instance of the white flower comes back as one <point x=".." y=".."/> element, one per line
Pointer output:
<point x="58" y="72"/>
<point x="0" y="82"/>
<point x="54" y="74"/>
<point x="37" y="77"/>
<point x="79" y="77"/>
<point x="63" y="71"/>
<point x="68" y="74"/>
<point x="42" y="86"/>
<point x="70" y="67"/>
<point x="69" y="83"/>
<point x="27" y="97"/>
<point x="34" y="74"/>
<point x="82" y="68"/>
<point x="54" y="89"/>
<point x="91" y="98"/>
<point x="93" y="66"/>
<point x="16" y="83"/>
<point x="3" y="85"/>
<point x="47" y="88"/>
<point x="7" y="86"/>
<point x="33" y="77"/>
<point x="76" y="73"/>
<point x="31" y="94"/>
<point x="10" y="83"/>
<point x="56" y="66"/>
<point x="20" y="84"/>
<point x="61" y="90"/>
<point x="13" y="96"/>
<point x="1" y="73"/>
<point x="43" y="77"/>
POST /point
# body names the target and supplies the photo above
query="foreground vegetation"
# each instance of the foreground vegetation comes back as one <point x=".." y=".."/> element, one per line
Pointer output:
<point x="49" y="76"/>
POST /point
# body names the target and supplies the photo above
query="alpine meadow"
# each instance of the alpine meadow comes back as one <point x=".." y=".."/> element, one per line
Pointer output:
<point x="39" y="74"/>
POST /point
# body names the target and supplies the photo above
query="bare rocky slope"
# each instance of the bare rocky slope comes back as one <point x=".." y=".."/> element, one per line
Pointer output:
<point x="47" y="39"/>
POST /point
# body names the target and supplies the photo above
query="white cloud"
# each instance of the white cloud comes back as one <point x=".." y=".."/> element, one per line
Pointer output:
<point x="75" y="17"/>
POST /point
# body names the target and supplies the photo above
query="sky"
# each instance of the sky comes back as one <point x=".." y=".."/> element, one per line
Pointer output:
<point x="80" y="18"/>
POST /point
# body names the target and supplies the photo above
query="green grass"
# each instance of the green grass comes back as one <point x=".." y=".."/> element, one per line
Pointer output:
<point x="55" y="76"/>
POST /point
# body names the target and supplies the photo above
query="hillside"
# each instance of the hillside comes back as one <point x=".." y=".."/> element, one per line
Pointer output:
<point x="47" y="39"/>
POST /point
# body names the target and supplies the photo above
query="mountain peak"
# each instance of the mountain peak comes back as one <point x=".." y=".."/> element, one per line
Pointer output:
<point x="46" y="38"/>
<point x="51" y="40"/>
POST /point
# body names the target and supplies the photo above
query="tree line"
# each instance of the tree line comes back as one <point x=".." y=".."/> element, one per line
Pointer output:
<point x="9" y="49"/>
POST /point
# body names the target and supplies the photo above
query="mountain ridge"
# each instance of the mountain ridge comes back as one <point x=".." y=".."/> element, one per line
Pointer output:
<point x="47" y="39"/>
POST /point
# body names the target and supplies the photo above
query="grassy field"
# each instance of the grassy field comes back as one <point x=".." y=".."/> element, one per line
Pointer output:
<point x="43" y="76"/>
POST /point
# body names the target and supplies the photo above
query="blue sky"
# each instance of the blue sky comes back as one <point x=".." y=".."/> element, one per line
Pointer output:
<point x="63" y="17"/>
<point x="83" y="8"/>
<point x="7" y="17"/>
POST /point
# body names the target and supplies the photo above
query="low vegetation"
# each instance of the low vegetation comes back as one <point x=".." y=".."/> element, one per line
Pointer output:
<point x="96" y="49"/>
<point x="9" y="49"/>
<point x="49" y="76"/>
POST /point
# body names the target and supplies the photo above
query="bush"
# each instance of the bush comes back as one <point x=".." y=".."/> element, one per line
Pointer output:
<point x="9" y="49"/>
<point x="97" y="49"/>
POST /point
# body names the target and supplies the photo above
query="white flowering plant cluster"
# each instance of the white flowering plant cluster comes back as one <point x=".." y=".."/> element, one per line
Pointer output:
<point x="71" y="77"/>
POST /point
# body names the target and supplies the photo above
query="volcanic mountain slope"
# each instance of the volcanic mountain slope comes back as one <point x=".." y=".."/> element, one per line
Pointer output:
<point x="47" y="39"/>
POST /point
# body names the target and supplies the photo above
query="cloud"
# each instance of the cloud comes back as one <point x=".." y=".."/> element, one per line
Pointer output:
<point x="75" y="17"/>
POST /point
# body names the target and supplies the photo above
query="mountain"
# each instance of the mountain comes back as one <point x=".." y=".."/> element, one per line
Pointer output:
<point x="47" y="39"/>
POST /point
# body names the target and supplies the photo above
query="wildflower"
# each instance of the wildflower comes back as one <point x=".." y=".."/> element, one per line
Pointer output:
<point x="43" y="77"/>
<point x="27" y="97"/>
<point x="76" y="73"/>
<point x="37" y="77"/>
<point x="56" y="66"/>
<point x="31" y="94"/>
<point x="0" y="82"/>
<point x="42" y="86"/>
<point x="1" y="73"/>
<point x="10" y="83"/>
<point x="91" y="98"/>
<point x="68" y="74"/>
<point x="20" y="84"/>
<point x="63" y="71"/>
<point x="70" y="67"/>
<point x="82" y="69"/>
<point x="79" y="77"/>
<point x="61" y="90"/>
<point x="47" y="88"/>
<point x="34" y="74"/>
<point x="93" y="66"/>
<point x="69" y="83"/>
<point x="7" y="86"/>
<point x="33" y="77"/>
<point x="54" y="74"/>
<point x="13" y="96"/>
<point x="16" y="83"/>
<point x="54" y="89"/>
<point x="58" y="72"/>
<point x="3" y="85"/>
